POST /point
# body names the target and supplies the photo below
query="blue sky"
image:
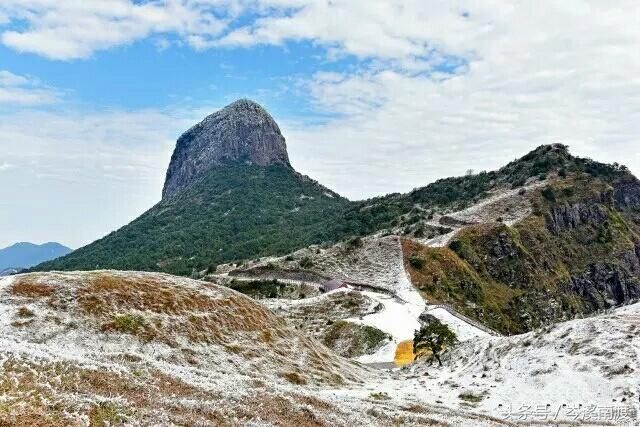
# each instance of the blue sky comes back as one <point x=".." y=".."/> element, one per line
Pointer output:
<point x="372" y="97"/>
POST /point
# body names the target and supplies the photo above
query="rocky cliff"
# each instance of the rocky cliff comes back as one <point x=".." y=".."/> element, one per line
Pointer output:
<point x="578" y="252"/>
<point x="241" y="133"/>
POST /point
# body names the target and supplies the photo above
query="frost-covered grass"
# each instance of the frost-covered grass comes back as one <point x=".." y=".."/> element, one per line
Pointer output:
<point x="215" y="358"/>
<point x="62" y="368"/>
<point x="571" y="368"/>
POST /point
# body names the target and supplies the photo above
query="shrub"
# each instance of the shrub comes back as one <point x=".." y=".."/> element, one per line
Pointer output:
<point x="354" y="242"/>
<point x="468" y="396"/>
<point x="128" y="322"/>
<point x="416" y="261"/>
<point x="25" y="312"/>
<point x="306" y="262"/>
<point x="549" y="194"/>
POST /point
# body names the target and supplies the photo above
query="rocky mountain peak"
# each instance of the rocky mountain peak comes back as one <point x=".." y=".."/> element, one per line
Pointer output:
<point x="241" y="133"/>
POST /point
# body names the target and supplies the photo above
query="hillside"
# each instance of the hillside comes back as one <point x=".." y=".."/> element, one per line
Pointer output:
<point x="514" y="257"/>
<point x="413" y="213"/>
<point x="580" y="372"/>
<point x="576" y="252"/>
<point x="233" y="213"/>
<point x="127" y="348"/>
<point x="25" y="255"/>
<point x="547" y="237"/>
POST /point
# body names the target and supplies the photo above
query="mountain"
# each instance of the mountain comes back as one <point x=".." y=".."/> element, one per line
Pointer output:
<point x="230" y="194"/>
<point x="547" y="237"/>
<point x="25" y="255"/>
<point x="8" y="271"/>
<point x="241" y="133"/>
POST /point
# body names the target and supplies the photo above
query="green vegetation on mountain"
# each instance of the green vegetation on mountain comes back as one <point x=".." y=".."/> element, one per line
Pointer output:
<point x="451" y="194"/>
<point x="577" y="253"/>
<point x="236" y="212"/>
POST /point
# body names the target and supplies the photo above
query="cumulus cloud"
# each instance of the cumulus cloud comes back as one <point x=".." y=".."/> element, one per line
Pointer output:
<point x="565" y="72"/>
<point x="21" y="90"/>
<point x="69" y="29"/>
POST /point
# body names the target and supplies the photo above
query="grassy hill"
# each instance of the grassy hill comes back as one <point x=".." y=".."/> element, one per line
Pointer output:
<point x="236" y="212"/>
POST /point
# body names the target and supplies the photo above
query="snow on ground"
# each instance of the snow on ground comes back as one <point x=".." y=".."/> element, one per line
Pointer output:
<point x="512" y="205"/>
<point x="585" y="370"/>
<point x="439" y="241"/>
<point x="507" y="205"/>
<point x="397" y="318"/>
<point x="379" y="262"/>
<point x="186" y="353"/>
<point x="463" y="330"/>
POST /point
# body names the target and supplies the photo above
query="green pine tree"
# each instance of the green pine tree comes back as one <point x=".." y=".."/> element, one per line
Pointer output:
<point x="434" y="336"/>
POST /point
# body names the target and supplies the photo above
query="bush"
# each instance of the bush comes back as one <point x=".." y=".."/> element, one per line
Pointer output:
<point x="549" y="194"/>
<point x="416" y="261"/>
<point x="354" y="242"/>
<point x="306" y="262"/>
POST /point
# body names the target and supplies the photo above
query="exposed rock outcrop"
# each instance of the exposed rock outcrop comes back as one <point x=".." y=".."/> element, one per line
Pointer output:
<point x="241" y="133"/>
<point x="627" y="193"/>
<point x="569" y="217"/>
<point x="608" y="284"/>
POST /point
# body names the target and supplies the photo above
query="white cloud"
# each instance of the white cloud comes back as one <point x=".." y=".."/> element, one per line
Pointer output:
<point x="6" y="166"/>
<point x="70" y="29"/>
<point x="20" y="90"/>
<point x="532" y="73"/>
<point x="566" y="72"/>
<point x="77" y="175"/>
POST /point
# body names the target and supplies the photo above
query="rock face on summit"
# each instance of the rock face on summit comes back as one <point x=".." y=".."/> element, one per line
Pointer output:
<point x="242" y="132"/>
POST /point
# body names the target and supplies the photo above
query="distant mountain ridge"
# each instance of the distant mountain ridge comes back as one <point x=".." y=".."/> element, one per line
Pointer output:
<point x="24" y="255"/>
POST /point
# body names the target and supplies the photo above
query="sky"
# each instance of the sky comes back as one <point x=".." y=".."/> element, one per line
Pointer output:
<point x="372" y="97"/>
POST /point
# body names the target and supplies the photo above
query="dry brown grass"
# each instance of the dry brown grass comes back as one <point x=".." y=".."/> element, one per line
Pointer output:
<point x="282" y="411"/>
<point x="177" y="312"/>
<point x="105" y="296"/>
<point x="45" y="394"/>
<point x="294" y="378"/>
<point x="23" y="287"/>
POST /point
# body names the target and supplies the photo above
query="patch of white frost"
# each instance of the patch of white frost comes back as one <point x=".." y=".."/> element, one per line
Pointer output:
<point x="463" y="330"/>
